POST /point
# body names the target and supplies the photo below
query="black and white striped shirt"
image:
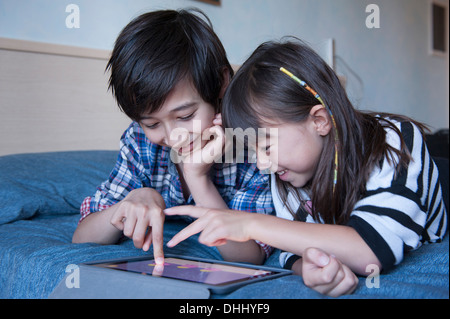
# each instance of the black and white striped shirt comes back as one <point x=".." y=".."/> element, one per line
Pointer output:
<point x="397" y="214"/>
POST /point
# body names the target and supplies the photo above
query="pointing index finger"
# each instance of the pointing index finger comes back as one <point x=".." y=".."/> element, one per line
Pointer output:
<point x="186" y="232"/>
<point x="187" y="210"/>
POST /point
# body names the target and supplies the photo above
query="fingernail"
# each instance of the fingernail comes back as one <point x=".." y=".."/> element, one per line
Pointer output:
<point x="324" y="260"/>
<point x="158" y="270"/>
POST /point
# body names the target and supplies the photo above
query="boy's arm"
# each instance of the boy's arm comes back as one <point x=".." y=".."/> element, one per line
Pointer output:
<point x="140" y="210"/>
<point x="122" y="205"/>
<point x="97" y="228"/>
<point x="205" y="194"/>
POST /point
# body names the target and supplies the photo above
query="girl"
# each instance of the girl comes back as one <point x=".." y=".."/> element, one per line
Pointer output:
<point x="360" y="187"/>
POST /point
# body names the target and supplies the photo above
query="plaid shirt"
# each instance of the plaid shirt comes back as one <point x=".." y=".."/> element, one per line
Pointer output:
<point x="144" y="164"/>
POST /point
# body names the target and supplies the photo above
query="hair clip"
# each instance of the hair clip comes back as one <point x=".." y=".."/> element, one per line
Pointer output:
<point x="316" y="95"/>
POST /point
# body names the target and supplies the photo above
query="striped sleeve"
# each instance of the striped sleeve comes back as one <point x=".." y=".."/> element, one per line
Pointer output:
<point x="401" y="211"/>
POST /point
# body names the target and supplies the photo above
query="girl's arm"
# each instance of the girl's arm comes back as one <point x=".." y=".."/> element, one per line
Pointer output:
<point x="325" y="273"/>
<point x="294" y="236"/>
<point x="217" y="226"/>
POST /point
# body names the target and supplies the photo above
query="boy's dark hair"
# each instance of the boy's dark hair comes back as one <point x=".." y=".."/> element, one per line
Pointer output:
<point x="158" y="49"/>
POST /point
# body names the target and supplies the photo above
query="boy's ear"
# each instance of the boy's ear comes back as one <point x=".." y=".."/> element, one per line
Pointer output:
<point x="226" y="78"/>
<point x="321" y="119"/>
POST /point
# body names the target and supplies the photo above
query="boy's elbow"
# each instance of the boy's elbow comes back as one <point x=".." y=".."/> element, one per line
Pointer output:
<point x="77" y="238"/>
<point x="261" y="257"/>
<point x="80" y="235"/>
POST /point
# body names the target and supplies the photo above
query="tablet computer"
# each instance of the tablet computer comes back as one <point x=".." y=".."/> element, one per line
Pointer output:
<point x="218" y="276"/>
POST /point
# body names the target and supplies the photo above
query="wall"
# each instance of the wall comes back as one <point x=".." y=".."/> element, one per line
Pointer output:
<point x="387" y="68"/>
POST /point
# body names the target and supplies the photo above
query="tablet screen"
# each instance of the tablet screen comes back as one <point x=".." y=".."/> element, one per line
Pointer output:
<point x="190" y="270"/>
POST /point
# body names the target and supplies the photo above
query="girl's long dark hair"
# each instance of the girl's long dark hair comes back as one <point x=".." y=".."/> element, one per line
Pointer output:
<point x="260" y="90"/>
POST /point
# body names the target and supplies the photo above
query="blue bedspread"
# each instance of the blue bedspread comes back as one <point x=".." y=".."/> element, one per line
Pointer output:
<point x="40" y="195"/>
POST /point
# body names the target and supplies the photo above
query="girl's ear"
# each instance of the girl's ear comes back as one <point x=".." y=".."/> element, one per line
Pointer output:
<point x="226" y="81"/>
<point x="321" y="119"/>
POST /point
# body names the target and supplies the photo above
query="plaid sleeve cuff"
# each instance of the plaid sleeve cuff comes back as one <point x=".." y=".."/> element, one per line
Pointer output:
<point x="267" y="249"/>
<point x="85" y="209"/>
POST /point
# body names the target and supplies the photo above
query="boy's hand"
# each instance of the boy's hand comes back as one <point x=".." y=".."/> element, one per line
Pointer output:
<point x="141" y="210"/>
<point x="198" y="162"/>
<point x="326" y="274"/>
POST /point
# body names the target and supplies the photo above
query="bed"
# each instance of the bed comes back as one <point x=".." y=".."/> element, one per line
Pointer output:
<point x="44" y="178"/>
<point x="40" y="195"/>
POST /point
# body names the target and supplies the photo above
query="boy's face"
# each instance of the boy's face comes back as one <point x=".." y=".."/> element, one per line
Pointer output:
<point x="182" y="107"/>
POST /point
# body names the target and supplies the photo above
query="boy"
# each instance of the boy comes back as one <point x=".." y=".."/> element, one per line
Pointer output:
<point x="169" y="71"/>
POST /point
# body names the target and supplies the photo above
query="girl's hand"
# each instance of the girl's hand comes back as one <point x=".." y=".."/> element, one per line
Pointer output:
<point x="326" y="274"/>
<point x="142" y="210"/>
<point x="216" y="226"/>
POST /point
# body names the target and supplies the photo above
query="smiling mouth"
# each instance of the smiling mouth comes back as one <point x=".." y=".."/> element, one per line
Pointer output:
<point x="282" y="172"/>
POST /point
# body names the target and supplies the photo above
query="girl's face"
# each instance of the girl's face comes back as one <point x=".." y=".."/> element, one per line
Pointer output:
<point x="293" y="150"/>
<point x="183" y="111"/>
